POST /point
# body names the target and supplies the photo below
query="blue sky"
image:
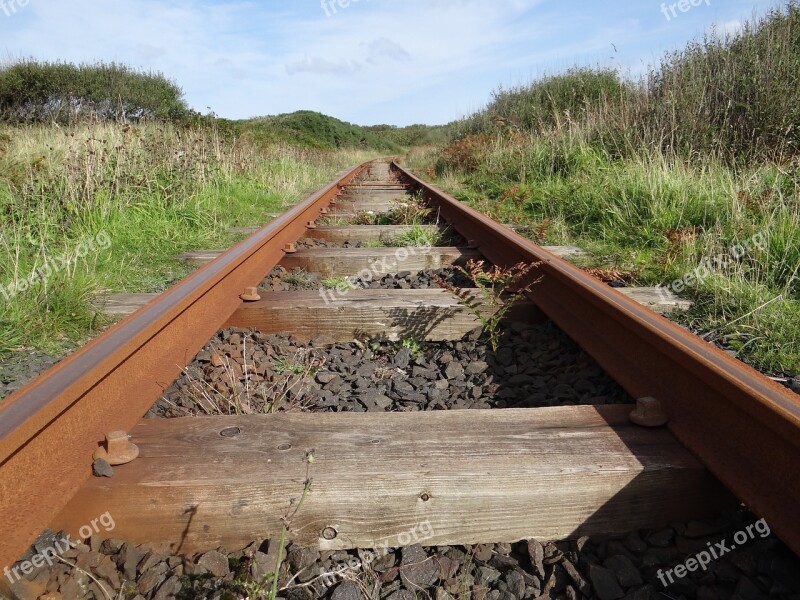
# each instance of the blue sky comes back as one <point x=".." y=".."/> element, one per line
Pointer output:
<point x="374" y="61"/>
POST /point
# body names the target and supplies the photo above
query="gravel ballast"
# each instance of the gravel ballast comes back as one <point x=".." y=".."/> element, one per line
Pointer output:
<point x="283" y="280"/>
<point x="630" y="567"/>
<point x="534" y="366"/>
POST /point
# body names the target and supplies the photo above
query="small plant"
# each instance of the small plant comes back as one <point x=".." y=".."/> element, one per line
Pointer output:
<point x="371" y="218"/>
<point x="491" y="307"/>
<point x="334" y="221"/>
<point x="373" y="244"/>
<point x="413" y="211"/>
<point x="298" y="278"/>
<point x="245" y="398"/>
<point x="267" y="587"/>
<point x="416" y="347"/>
<point x="340" y="284"/>
<point x="302" y="363"/>
<point x="419" y="235"/>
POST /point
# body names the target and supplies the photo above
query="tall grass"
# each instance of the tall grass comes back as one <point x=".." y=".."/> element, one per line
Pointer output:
<point x="155" y="189"/>
<point x="732" y="97"/>
<point x="654" y="177"/>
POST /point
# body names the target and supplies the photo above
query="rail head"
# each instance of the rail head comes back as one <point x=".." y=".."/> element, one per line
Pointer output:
<point x="50" y="427"/>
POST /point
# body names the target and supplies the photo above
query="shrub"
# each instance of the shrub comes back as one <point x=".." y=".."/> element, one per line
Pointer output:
<point x="32" y="91"/>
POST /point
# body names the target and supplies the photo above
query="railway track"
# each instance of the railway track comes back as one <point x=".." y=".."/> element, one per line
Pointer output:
<point x="473" y="477"/>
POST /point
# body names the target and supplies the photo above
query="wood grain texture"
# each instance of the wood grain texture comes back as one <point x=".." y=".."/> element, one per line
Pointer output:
<point x="365" y="204"/>
<point x="363" y="233"/>
<point x="122" y="305"/>
<point x="126" y="304"/>
<point x="661" y="300"/>
<point x="329" y="262"/>
<point x="472" y="476"/>
<point x="394" y="314"/>
<point x="200" y="257"/>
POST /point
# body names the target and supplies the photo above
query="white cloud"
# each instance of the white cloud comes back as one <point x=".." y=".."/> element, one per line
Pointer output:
<point x="322" y="66"/>
<point x="386" y="48"/>
<point x="725" y="29"/>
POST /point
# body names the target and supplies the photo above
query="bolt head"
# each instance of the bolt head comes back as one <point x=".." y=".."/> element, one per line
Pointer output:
<point x="250" y="294"/>
<point x="649" y="413"/>
<point x="118" y="449"/>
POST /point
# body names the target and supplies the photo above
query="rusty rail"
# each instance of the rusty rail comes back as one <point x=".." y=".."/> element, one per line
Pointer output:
<point x="744" y="427"/>
<point x="49" y="428"/>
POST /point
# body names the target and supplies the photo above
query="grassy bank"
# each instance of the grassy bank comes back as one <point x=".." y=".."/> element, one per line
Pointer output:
<point x="688" y="179"/>
<point x="651" y="221"/>
<point x="152" y="191"/>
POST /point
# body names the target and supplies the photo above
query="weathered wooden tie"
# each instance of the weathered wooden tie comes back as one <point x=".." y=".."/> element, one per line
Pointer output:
<point x="660" y="300"/>
<point x="329" y="262"/>
<point x="433" y="314"/>
<point x="466" y="477"/>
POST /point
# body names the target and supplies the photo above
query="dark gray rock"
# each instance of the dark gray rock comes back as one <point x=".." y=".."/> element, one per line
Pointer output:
<point x="580" y="583"/>
<point x="169" y="589"/>
<point x="488" y="575"/>
<point x="605" y="583"/>
<point x="347" y="590"/>
<point x="402" y="595"/>
<point x="417" y="570"/>
<point x="536" y="553"/>
<point x="215" y="562"/>
<point x="661" y="539"/>
<point x="101" y="468"/>
<point x="402" y="358"/>
<point x="627" y="574"/>
<point x="516" y="584"/>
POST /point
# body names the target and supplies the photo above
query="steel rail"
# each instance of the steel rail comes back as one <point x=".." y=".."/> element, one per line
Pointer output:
<point x="744" y="427"/>
<point x="50" y="428"/>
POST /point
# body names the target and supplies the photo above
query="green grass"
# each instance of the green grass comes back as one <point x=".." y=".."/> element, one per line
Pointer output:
<point x="337" y="283"/>
<point x="297" y="277"/>
<point x="419" y="235"/>
<point x="416" y="347"/>
<point x="373" y="244"/>
<point x="289" y="366"/>
<point x="155" y="191"/>
<point x="659" y="219"/>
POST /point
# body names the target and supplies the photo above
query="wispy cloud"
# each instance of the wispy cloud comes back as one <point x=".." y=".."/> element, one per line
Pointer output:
<point x="727" y="28"/>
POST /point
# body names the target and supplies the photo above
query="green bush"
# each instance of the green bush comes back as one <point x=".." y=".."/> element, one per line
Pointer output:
<point x="310" y="129"/>
<point x="550" y="102"/>
<point x="734" y="96"/>
<point x="730" y="97"/>
<point x="32" y="92"/>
